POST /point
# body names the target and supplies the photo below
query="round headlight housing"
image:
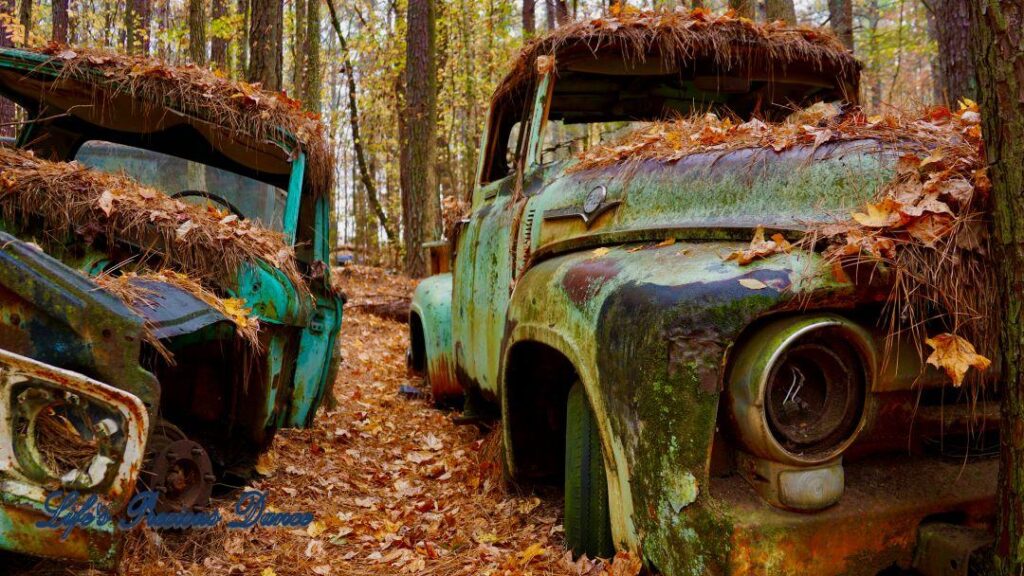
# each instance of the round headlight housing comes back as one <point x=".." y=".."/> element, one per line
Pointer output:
<point x="798" y="388"/>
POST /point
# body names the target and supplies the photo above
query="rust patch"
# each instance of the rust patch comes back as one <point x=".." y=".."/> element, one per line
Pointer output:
<point x="584" y="280"/>
<point x="444" y="386"/>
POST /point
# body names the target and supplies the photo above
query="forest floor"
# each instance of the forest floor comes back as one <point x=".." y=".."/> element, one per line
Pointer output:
<point x="396" y="487"/>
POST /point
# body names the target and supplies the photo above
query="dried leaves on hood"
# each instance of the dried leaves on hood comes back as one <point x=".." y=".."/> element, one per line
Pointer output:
<point x="928" y="225"/>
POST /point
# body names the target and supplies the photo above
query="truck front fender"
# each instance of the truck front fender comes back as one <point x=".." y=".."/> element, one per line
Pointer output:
<point x="646" y="330"/>
<point x="430" y="337"/>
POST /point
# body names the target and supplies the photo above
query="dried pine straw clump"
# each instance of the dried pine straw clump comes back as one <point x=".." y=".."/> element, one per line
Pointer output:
<point x="928" y="226"/>
<point x="683" y="36"/>
<point x="206" y="96"/>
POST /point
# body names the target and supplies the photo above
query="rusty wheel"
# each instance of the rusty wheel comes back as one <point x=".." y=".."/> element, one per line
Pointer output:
<point x="178" y="468"/>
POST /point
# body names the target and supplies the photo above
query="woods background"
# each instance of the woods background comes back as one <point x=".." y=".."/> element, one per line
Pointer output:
<point x="403" y="85"/>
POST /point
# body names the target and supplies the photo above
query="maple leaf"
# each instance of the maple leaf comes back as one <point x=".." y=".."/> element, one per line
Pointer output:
<point x="884" y="214"/>
<point x="956" y="356"/>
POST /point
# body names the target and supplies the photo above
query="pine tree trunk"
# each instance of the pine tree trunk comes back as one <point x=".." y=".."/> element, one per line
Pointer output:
<point x="6" y="106"/>
<point x="744" y="8"/>
<point x="264" y="50"/>
<point x="25" y="18"/>
<point x="59" y="15"/>
<point x="218" y="44"/>
<point x="996" y="27"/>
<point x="311" y="79"/>
<point x="197" y="32"/>
<point x="955" y="76"/>
<point x="299" y="48"/>
<point x="529" y="18"/>
<point x="561" y="12"/>
<point x="136" y="24"/>
<point x="420" y="202"/>
<point x="781" y="10"/>
<point x="841" y="17"/>
<point x="549" y="13"/>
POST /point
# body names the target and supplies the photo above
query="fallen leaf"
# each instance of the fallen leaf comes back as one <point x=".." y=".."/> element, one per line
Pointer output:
<point x="106" y="202"/>
<point x="956" y="356"/>
<point x="753" y="283"/>
<point x="884" y="214"/>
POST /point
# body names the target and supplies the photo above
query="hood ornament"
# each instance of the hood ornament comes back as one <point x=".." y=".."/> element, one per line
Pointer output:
<point x="594" y="205"/>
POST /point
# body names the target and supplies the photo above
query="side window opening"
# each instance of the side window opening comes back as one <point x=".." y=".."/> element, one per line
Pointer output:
<point x="505" y="140"/>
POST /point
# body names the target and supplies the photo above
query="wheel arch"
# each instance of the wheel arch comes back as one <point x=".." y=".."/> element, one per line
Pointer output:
<point x="539" y="366"/>
<point x="430" y="337"/>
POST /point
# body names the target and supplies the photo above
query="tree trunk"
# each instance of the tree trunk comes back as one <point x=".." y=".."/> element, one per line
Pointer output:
<point x="353" y="119"/>
<point x="311" y="79"/>
<point x="242" y="62"/>
<point x="841" y="17"/>
<point x="219" y="44"/>
<point x="744" y="8"/>
<point x="561" y="12"/>
<point x="299" y="48"/>
<point x="529" y="18"/>
<point x="25" y="18"/>
<point x="420" y="204"/>
<point x="264" y="50"/>
<point x="781" y="10"/>
<point x="59" y="14"/>
<point x="6" y="106"/>
<point x="197" y="32"/>
<point x="955" y="76"/>
<point x="996" y="26"/>
<point x="136" y="25"/>
<point x="549" y="13"/>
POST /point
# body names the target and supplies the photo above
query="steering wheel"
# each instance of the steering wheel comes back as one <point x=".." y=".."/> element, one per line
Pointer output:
<point x="211" y="197"/>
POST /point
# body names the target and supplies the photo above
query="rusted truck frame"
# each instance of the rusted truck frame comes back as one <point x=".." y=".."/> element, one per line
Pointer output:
<point x="75" y="355"/>
<point x="602" y="299"/>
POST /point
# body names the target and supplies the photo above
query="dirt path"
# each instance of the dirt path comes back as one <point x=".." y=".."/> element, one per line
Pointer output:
<point x="395" y="486"/>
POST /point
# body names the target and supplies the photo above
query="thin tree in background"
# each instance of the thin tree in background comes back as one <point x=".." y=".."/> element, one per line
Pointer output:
<point x="780" y="10"/>
<point x="996" y="27"/>
<point x="25" y="19"/>
<point x="420" y="202"/>
<point x="6" y="41"/>
<point x="218" y="43"/>
<point x="299" y="47"/>
<point x="841" y="16"/>
<point x="955" y="77"/>
<point x="197" y="32"/>
<point x="242" y="58"/>
<point x="529" y="18"/>
<point x="311" y="78"/>
<point x="136" y="23"/>
<point x="264" y="48"/>
<point x="744" y="8"/>
<point x="59" y="17"/>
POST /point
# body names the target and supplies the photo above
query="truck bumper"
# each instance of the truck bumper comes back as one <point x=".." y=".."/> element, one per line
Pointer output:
<point x="873" y="527"/>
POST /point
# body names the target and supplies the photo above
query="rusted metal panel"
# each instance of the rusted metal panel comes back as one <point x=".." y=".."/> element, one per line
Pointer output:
<point x="432" y="307"/>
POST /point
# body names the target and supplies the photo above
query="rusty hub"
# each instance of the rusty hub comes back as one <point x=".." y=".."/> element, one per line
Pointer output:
<point x="179" y="469"/>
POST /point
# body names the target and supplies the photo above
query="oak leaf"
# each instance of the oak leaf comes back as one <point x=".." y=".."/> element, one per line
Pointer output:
<point x="956" y="356"/>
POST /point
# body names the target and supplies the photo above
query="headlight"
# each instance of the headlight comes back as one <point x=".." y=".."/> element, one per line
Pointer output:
<point x="798" y="386"/>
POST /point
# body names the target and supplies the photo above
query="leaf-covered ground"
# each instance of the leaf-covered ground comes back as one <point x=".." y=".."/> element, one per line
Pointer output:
<point x="396" y="487"/>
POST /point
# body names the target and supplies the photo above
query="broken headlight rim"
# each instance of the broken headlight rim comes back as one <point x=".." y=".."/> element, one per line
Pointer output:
<point x="799" y="388"/>
<point x="65" y="439"/>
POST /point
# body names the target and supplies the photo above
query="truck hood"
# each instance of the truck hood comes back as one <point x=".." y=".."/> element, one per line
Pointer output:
<point x="708" y="195"/>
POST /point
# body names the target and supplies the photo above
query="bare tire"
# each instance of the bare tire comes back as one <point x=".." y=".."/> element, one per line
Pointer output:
<point x="587" y="523"/>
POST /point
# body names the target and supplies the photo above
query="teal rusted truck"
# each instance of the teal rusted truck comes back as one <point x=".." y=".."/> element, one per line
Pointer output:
<point x="713" y="418"/>
<point x="105" y="398"/>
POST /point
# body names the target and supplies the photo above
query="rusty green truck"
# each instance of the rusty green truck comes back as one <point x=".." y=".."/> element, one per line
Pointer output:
<point x="128" y="169"/>
<point x="711" y="417"/>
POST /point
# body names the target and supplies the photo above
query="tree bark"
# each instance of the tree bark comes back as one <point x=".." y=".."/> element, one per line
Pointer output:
<point x="561" y="12"/>
<point x="242" y="62"/>
<point x="549" y="13"/>
<point x="529" y="18"/>
<point x="219" y="44"/>
<point x="997" y="27"/>
<point x="353" y="119"/>
<point x="781" y="10"/>
<point x="25" y="19"/>
<point x="299" y="48"/>
<point x="136" y="23"/>
<point x="264" y="50"/>
<point x="420" y="202"/>
<point x="955" y="76"/>
<point x="744" y="8"/>
<point x="311" y="78"/>
<point x="59" y="15"/>
<point x="197" y="32"/>
<point x="841" y="17"/>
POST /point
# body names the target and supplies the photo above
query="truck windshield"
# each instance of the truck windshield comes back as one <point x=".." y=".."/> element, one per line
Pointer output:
<point x="190" y="181"/>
